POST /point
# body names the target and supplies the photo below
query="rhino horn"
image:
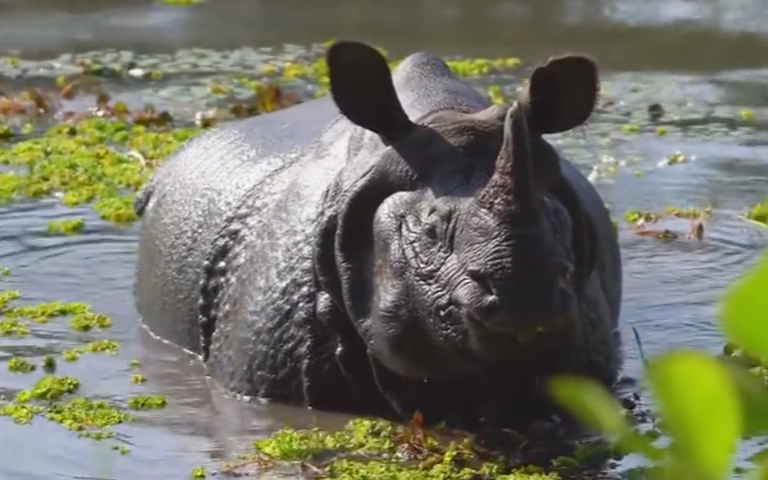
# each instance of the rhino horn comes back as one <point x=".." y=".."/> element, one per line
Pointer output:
<point x="511" y="188"/>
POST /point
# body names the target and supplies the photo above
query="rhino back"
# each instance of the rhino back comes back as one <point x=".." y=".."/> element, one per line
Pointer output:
<point x="257" y="305"/>
<point x="188" y="197"/>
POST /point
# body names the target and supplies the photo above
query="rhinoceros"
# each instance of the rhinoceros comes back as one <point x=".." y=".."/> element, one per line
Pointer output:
<point x="400" y="245"/>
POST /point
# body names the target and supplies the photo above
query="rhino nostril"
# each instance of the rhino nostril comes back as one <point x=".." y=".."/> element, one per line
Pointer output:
<point x="485" y="303"/>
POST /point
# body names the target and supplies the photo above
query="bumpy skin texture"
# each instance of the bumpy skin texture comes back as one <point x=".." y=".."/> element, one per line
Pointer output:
<point x="424" y="250"/>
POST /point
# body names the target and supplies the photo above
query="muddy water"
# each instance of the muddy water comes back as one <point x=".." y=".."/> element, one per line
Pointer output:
<point x="701" y="60"/>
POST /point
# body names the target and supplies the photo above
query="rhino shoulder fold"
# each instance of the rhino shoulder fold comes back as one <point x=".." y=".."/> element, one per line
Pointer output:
<point x="217" y="270"/>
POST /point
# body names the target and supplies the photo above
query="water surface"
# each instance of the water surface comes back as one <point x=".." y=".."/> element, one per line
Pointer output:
<point x="701" y="60"/>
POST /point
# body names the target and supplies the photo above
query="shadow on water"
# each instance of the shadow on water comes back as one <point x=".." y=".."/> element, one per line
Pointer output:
<point x="671" y="290"/>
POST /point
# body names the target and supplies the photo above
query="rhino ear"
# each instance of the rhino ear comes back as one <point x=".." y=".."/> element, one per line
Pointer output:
<point x="362" y="88"/>
<point x="562" y="94"/>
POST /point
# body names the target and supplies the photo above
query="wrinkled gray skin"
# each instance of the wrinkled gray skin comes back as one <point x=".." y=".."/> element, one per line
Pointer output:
<point x="399" y="245"/>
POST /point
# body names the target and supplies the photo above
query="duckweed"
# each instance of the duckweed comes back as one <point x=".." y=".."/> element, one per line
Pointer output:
<point x="66" y="227"/>
<point x="52" y="397"/>
<point x="146" y="402"/>
<point x="88" y="320"/>
<point x="198" y="472"/>
<point x="747" y="115"/>
<point x="630" y="128"/>
<point x="49" y="387"/>
<point x="97" y="346"/>
<point x="81" y="414"/>
<point x="759" y="213"/>
<point x="674" y="158"/>
<point x="372" y="448"/>
<point x="638" y="216"/>
<point x="92" y="160"/>
<point x="16" y="320"/>
<point x="20" y="365"/>
<point x="13" y="327"/>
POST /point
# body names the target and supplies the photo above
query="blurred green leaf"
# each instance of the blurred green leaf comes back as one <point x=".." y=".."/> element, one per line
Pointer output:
<point x="758" y="473"/>
<point x="754" y="399"/>
<point x="701" y="410"/>
<point x="593" y="405"/>
<point x="744" y="309"/>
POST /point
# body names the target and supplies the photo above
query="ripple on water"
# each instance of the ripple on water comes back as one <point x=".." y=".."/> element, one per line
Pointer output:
<point x="671" y="290"/>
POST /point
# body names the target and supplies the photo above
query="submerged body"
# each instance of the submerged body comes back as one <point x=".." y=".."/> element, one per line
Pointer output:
<point x="393" y="257"/>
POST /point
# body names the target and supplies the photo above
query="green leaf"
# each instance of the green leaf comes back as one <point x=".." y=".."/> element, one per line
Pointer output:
<point x="758" y="473"/>
<point x="744" y="308"/>
<point x="700" y="408"/>
<point x="593" y="405"/>
<point x="754" y="398"/>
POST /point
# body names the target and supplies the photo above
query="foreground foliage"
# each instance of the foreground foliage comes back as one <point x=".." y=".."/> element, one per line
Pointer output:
<point x="706" y="404"/>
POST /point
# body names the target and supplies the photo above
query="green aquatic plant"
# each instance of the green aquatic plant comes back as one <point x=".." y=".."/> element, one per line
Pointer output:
<point x="638" y="216"/>
<point x="68" y="226"/>
<point x="759" y="212"/>
<point x="102" y="161"/>
<point x="376" y="448"/>
<point x="146" y="402"/>
<point x="371" y="448"/>
<point x="198" y="472"/>
<point x="674" y="158"/>
<point x="54" y="397"/>
<point x="97" y="346"/>
<point x="16" y="320"/>
<point x="706" y="404"/>
<point x="20" y="365"/>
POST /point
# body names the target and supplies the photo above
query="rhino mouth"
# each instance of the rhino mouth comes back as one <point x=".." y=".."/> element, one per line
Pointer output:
<point x="524" y="333"/>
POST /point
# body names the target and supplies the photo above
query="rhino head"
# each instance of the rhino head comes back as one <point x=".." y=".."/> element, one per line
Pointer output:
<point x="462" y="246"/>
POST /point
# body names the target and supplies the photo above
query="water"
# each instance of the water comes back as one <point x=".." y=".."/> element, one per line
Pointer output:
<point x="701" y="60"/>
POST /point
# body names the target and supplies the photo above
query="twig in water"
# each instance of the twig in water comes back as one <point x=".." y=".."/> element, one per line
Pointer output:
<point x="640" y="347"/>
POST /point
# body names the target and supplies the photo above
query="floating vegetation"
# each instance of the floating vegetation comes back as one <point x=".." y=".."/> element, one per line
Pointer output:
<point x="53" y="396"/>
<point x="97" y="346"/>
<point x="146" y="402"/>
<point x="641" y="219"/>
<point x="66" y="227"/>
<point x="372" y="448"/>
<point x="20" y="365"/>
<point x="675" y="158"/>
<point x="758" y="213"/>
